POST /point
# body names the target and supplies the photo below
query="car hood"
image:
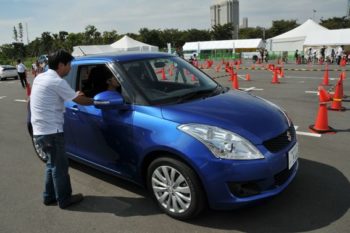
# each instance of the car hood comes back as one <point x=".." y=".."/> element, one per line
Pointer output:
<point x="237" y="111"/>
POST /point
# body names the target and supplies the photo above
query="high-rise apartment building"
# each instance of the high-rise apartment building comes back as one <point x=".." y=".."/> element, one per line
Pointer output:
<point x="225" y="11"/>
<point x="244" y="23"/>
<point x="348" y="9"/>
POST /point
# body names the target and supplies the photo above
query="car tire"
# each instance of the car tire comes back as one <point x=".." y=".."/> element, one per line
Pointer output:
<point x="41" y="155"/>
<point x="176" y="188"/>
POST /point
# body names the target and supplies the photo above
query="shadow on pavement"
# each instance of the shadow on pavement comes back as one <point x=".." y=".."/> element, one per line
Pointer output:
<point x="318" y="196"/>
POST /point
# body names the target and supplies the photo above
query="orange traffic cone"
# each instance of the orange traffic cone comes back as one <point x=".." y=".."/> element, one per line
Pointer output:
<point x="275" y="77"/>
<point x="337" y="98"/>
<point x="321" y="123"/>
<point x="247" y="77"/>
<point x="282" y="73"/>
<point x="171" y="73"/>
<point x="326" y="77"/>
<point x="28" y="89"/>
<point x="163" y="74"/>
<point x="235" y="81"/>
<point x="343" y="75"/>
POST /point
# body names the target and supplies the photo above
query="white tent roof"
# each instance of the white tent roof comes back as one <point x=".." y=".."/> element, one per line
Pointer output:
<point x="223" y="44"/>
<point x="124" y="44"/>
<point x="128" y="44"/>
<point x="329" y="37"/>
<point x="295" y="38"/>
<point x="307" y="28"/>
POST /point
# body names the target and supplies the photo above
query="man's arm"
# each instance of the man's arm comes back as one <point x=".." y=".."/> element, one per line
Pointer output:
<point x="82" y="99"/>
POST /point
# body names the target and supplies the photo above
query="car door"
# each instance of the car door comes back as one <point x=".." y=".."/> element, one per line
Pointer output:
<point x="101" y="137"/>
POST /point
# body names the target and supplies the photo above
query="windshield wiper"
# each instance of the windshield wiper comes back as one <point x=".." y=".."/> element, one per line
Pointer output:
<point x="196" y="95"/>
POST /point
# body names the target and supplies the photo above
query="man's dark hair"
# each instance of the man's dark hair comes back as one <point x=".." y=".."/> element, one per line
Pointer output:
<point x="61" y="56"/>
<point x="18" y="60"/>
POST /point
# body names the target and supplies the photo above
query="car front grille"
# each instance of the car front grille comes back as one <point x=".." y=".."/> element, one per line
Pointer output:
<point x="281" y="141"/>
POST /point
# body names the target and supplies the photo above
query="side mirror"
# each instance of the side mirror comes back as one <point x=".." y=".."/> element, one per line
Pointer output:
<point x="109" y="100"/>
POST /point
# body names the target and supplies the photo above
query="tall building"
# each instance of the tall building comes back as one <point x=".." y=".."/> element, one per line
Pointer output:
<point x="244" y="23"/>
<point x="348" y="9"/>
<point x="226" y="11"/>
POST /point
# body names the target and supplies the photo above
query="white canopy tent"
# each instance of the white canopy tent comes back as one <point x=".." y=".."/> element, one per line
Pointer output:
<point x="329" y="38"/>
<point x="295" y="38"/>
<point x="223" y="44"/>
<point x="124" y="44"/>
<point x="128" y="44"/>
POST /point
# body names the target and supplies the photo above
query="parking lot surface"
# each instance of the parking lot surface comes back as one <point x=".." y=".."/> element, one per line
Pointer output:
<point x="317" y="200"/>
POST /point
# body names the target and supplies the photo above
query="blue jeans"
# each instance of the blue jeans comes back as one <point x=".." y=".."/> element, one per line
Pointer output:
<point x="57" y="180"/>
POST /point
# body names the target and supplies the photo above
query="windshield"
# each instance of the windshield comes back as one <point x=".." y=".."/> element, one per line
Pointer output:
<point x="169" y="80"/>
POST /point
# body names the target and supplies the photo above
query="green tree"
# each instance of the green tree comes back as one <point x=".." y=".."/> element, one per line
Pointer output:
<point x="222" y="32"/>
<point x="336" y="23"/>
<point x="46" y="42"/>
<point x="251" y="33"/>
<point x="151" y="37"/>
<point x="281" y="26"/>
<point x="109" y="37"/>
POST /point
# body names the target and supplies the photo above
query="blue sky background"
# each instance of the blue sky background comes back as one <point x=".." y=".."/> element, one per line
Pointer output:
<point x="129" y="16"/>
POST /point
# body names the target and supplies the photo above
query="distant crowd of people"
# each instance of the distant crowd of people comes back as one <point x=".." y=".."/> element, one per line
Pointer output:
<point x="324" y="54"/>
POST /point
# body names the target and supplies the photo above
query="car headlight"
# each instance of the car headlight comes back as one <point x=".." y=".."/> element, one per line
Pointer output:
<point x="222" y="143"/>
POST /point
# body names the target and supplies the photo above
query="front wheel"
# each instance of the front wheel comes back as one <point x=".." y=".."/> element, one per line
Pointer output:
<point x="176" y="188"/>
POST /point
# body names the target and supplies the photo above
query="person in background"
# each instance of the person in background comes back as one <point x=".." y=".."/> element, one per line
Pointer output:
<point x="296" y="56"/>
<point x="21" y="70"/>
<point x="34" y="68"/>
<point x="49" y="93"/>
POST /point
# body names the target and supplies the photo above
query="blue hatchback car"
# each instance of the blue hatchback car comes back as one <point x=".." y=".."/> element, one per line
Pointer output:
<point x="171" y="128"/>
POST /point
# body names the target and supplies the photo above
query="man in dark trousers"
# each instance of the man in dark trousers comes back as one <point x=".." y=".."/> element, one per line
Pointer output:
<point x="49" y="93"/>
<point x="21" y="70"/>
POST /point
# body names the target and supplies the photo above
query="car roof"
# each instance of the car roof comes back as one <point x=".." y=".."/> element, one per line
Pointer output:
<point x="124" y="57"/>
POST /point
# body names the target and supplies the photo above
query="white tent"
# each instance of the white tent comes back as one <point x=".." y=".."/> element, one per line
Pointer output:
<point x="124" y="44"/>
<point x="128" y="44"/>
<point x="223" y="44"/>
<point x="329" y="38"/>
<point x="295" y="38"/>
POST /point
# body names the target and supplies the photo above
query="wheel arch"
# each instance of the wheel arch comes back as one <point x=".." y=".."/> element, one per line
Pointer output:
<point x="149" y="158"/>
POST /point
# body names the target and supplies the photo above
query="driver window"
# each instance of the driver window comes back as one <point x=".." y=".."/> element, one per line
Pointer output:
<point x="94" y="79"/>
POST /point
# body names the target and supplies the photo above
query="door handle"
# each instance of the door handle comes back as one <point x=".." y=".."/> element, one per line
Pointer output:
<point x="75" y="108"/>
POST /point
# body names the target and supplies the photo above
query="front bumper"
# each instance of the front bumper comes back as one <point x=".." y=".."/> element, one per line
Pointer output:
<point x="231" y="184"/>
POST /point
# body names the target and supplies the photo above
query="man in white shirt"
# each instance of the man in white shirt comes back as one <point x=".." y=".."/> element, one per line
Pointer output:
<point x="49" y="92"/>
<point x="21" y="70"/>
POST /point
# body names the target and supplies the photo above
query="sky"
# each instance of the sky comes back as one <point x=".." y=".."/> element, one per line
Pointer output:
<point x="126" y="16"/>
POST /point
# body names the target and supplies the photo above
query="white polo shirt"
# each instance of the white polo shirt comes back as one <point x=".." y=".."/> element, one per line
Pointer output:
<point x="49" y="92"/>
<point x="21" y="68"/>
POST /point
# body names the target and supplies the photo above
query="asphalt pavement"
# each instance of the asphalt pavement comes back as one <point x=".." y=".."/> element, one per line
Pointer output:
<point x="317" y="200"/>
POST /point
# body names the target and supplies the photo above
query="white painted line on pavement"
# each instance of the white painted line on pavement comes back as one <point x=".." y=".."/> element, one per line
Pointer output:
<point x="23" y="101"/>
<point x="309" y="134"/>
<point x="251" y="89"/>
<point x="2" y="97"/>
<point x="312" y="92"/>
<point x="299" y="77"/>
<point x="306" y="133"/>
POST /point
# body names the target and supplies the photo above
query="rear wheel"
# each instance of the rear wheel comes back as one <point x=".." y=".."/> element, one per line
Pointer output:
<point x="176" y="188"/>
<point x="39" y="152"/>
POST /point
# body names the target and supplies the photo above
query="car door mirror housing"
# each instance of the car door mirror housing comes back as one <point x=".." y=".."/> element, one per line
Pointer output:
<point x="109" y="100"/>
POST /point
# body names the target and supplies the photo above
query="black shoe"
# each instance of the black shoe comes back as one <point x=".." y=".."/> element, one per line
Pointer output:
<point x="50" y="202"/>
<point x="74" y="199"/>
